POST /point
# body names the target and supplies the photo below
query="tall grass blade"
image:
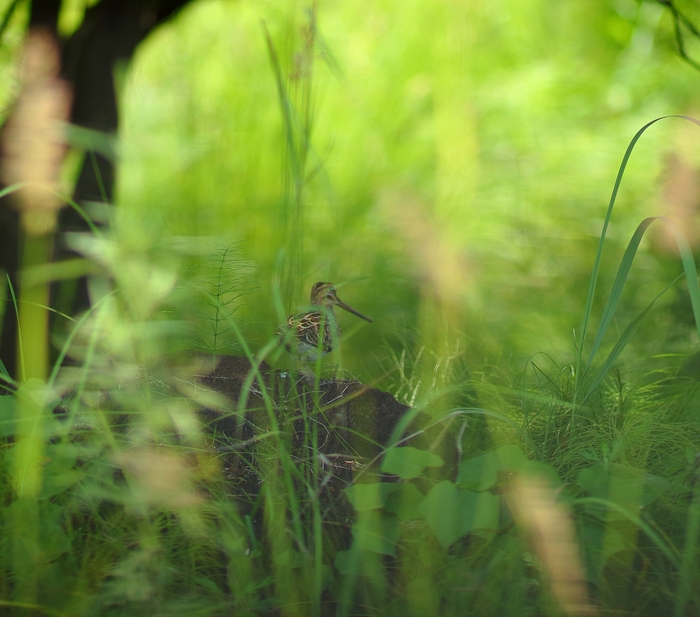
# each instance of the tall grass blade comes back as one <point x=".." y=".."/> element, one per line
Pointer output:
<point x="689" y="566"/>
<point x="20" y="345"/>
<point x="617" y="288"/>
<point x="598" y="258"/>
<point x="669" y="551"/>
<point x="293" y="176"/>
<point x="5" y="374"/>
<point x="619" y="346"/>
<point x="620" y="280"/>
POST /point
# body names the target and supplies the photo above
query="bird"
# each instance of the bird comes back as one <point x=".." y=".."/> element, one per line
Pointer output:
<point x="301" y="333"/>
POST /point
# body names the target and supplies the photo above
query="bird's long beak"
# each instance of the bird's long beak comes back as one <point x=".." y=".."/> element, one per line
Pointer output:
<point x="349" y="309"/>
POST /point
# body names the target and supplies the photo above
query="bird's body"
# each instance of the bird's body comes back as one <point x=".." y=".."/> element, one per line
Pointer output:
<point x="316" y="331"/>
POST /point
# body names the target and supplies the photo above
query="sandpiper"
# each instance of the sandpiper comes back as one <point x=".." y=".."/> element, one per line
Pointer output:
<point x="302" y="332"/>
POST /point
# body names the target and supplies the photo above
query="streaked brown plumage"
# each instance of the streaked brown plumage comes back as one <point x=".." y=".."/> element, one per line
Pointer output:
<point x="301" y="332"/>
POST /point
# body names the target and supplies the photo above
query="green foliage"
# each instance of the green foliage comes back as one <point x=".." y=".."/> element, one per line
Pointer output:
<point x="452" y="513"/>
<point x="487" y="155"/>
<point x="482" y="472"/>
<point x="625" y="486"/>
<point x="456" y="179"/>
<point x="119" y="503"/>
<point x="408" y="462"/>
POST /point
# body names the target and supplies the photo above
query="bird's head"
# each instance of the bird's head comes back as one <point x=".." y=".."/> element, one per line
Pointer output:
<point x="324" y="294"/>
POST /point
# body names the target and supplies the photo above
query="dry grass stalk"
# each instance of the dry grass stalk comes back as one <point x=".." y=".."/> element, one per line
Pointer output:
<point x="160" y="478"/>
<point x="549" y="526"/>
<point x="33" y="146"/>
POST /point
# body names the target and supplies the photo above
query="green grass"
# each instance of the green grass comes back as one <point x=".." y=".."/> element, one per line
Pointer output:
<point x="122" y="502"/>
<point x="415" y="180"/>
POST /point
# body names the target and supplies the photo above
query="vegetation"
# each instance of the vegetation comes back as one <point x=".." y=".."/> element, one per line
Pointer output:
<point x="448" y="164"/>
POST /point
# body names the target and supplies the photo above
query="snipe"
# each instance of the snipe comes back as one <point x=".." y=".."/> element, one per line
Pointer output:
<point x="305" y="334"/>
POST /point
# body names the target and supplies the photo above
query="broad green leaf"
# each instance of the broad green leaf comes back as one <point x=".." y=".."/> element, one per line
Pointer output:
<point x="365" y="497"/>
<point x="452" y="513"/>
<point x="406" y="502"/>
<point x="356" y="561"/>
<point x="407" y="462"/>
<point x="599" y="542"/>
<point x="628" y="487"/>
<point x="59" y="473"/>
<point x="50" y="534"/>
<point x="377" y="532"/>
<point x="481" y="472"/>
<point x="289" y="558"/>
<point x="348" y="562"/>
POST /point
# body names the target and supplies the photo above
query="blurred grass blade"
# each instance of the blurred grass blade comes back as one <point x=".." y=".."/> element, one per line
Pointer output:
<point x="13" y="188"/>
<point x="63" y="352"/>
<point x="9" y="12"/>
<point x="4" y="373"/>
<point x="689" y="564"/>
<point x="669" y="551"/>
<point x="297" y="137"/>
<point x="284" y="99"/>
<point x="84" y="215"/>
<point x="91" y="141"/>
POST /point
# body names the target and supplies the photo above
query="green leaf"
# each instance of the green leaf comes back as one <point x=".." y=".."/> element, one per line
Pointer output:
<point x="599" y="542"/>
<point x="407" y="462"/>
<point x="365" y="497"/>
<point x="352" y="562"/>
<point x="290" y="559"/>
<point x="628" y="487"/>
<point x="452" y="513"/>
<point x="60" y="473"/>
<point x="348" y="562"/>
<point x="49" y="539"/>
<point x="406" y="502"/>
<point x="377" y="532"/>
<point x="481" y="472"/>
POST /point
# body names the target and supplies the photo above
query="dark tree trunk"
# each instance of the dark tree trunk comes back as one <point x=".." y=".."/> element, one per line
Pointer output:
<point x="110" y="33"/>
